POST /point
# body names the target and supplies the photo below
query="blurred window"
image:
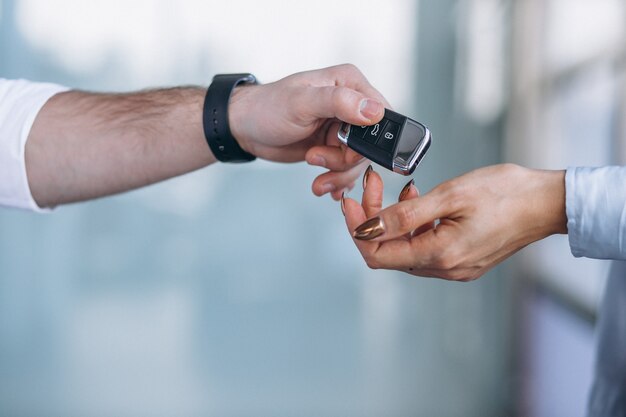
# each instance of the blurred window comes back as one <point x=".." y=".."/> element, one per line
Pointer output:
<point x="567" y="110"/>
<point x="572" y="96"/>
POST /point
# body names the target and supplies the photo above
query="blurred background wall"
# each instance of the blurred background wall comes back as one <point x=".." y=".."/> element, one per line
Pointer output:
<point x="185" y="298"/>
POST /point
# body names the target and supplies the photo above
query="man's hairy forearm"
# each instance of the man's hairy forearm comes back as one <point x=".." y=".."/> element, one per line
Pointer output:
<point x="88" y="145"/>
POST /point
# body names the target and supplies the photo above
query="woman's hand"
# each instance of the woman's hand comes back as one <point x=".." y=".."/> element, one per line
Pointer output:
<point x="463" y="227"/>
<point x="297" y="118"/>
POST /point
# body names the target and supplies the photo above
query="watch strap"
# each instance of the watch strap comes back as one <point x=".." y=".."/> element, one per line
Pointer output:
<point x="215" y="118"/>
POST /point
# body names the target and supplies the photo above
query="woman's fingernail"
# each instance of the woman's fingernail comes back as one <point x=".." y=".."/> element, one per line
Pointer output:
<point x="369" y="230"/>
<point x="319" y="161"/>
<point x="343" y="203"/>
<point x="370" y="108"/>
<point x="366" y="175"/>
<point x="405" y="190"/>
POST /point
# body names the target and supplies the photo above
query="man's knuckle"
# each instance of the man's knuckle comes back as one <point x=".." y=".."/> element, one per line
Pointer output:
<point x="339" y="96"/>
<point x="350" y="68"/>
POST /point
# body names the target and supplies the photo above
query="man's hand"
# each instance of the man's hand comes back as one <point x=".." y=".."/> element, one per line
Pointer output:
<point x="297" y="118"/>
<point x="463" y="227"/>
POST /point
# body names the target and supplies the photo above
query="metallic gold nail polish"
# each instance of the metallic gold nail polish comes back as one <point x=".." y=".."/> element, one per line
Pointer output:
<point x="406" y="189"/>
<point x="369" y="230"/>
<point x="366" y="175"/>
<point x="343" y="203"/>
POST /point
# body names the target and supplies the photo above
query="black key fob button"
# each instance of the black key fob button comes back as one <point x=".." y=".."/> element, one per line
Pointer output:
<point x="358" y="131"/>
<point x="374" y="131"/>
<point x="389" y="136"/>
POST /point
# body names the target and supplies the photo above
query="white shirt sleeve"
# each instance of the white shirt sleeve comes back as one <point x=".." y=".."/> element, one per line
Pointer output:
<point x="20" y="102"/>
<point x="596" y="211"/>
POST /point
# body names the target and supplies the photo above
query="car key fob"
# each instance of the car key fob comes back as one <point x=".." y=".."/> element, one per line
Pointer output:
<point x="397" y="142"/>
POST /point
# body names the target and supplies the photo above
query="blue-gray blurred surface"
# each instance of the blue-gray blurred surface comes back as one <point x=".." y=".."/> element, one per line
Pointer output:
<point x="561" y="347"/>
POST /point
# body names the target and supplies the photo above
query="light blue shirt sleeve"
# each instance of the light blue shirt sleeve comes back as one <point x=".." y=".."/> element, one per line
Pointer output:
<point x="596" y="211"/>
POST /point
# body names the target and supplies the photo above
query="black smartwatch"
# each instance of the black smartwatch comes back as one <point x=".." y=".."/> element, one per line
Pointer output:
<point x="215" y="118"/>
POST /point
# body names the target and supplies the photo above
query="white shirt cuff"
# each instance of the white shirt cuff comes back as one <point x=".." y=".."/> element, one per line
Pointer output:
<point x="20" y="102"/>
<point x="596" y="211"/>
